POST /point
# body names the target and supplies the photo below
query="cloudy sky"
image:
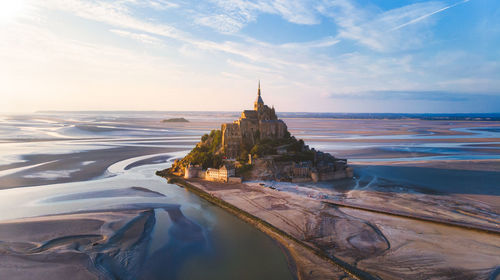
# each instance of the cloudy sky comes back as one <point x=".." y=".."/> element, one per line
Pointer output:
<point x="326" y="56"/>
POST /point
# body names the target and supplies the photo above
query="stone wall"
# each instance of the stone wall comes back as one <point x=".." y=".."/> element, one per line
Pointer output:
<point x="192" y="172"/>
<point x="272" y="129"/>
<point x="335" y="175"/>
<point x="234" y="180"/>
<point x="231" y="139"/>
<point x="269" y="169"/>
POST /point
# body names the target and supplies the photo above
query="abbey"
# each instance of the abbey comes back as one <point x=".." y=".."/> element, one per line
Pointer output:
<point x="258" y="146"/>
<point x="253" y="125"/>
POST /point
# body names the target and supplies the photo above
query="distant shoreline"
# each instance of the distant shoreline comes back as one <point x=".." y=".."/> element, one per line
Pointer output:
<point x="321" y="115"/>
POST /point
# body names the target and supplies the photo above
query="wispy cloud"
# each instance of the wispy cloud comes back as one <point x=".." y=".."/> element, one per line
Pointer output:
<point x="162" y="4"/>
<point x="221" y="22"/>
<point x="377" y="30"/>
<point x="115" y="14"/>
<point x="141" y="37"/>
<point x="322" y="43"/>
<point x="229" y="16"/>
<point x="420" y="18"/>
<point x="427" y="95"/>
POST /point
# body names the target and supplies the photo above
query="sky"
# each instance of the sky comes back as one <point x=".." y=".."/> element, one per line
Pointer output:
<point x="404" y="56"/>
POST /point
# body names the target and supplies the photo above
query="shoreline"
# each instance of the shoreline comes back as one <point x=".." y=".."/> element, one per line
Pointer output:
<point x="301" y="253"/>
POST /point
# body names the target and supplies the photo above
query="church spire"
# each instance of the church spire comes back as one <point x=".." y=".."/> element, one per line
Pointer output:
<point x="259" y="102"/>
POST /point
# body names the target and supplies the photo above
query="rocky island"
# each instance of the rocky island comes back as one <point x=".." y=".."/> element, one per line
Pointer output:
<point x="175" y="120"/>
<point x="258" y="146"/>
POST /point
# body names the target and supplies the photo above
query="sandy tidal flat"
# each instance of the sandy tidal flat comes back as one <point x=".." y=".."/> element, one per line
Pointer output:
<point x="76" y="246"/>
<point x="384" y="246"/>
<point x="79" y="197"/>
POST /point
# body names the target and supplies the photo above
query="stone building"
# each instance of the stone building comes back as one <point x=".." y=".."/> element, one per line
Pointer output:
<point x="220" y="175"/>
<point x="193" y="171"/>
<point x="253" y="125"/>
<point x="302" y="169"/>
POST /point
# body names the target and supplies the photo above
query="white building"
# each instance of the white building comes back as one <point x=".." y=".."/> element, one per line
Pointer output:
<point x="219" y="175"/>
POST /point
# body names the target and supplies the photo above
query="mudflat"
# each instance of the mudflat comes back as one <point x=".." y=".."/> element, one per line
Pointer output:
<point x="381" y="244"/>
<point x="79" y="200"/>
<point x="77" y="176"/>
<point x="76" y="246"/>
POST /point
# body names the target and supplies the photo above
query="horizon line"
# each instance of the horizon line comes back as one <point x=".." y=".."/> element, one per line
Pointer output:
<point x="229" y="111"/>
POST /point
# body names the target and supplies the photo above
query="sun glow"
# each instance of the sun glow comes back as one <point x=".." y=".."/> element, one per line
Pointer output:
<point x="10" y="9"/>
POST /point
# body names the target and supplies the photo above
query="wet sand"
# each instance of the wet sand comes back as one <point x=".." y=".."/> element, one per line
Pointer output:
<point x="308" y="262"/>
<point x="419" y="250"/>
<point x="384" y="246"/>
<point x="42" y="169"/>
<point x="95" y="245"/>
<point x="445" y="169"/>
<point x="71" y="246"/>
<point x="474" y="165"/>
<point x="132" y="191"/>
<point x="442" y="171"/>
<point x="97" y="211"/>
